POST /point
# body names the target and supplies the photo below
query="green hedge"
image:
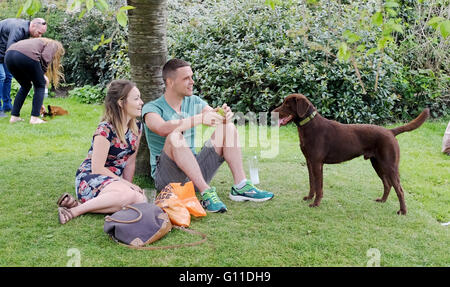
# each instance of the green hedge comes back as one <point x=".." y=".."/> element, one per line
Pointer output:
<point x="82" y="65"/>
<point x="251" y="56"/>
<point x="89" y="94"/>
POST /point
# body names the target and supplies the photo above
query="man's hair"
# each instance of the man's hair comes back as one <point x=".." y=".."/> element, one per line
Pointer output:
<point x="38" y="21"/>
<point x="171" y="66"/>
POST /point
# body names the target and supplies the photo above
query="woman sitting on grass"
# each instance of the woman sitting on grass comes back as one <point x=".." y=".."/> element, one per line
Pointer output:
<point x="104" y="179"/>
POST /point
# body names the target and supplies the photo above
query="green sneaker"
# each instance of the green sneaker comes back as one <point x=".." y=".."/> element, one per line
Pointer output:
<point x="211" y="201"/>
<point x="250" y="192"/>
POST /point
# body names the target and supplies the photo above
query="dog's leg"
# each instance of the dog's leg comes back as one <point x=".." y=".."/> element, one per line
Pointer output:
<point x="387" y="189"/>
<point x="382" y="175"/>
<point x="317" y="171"/>
<point x="399" y="190"/>
<point x="311" y="182"/>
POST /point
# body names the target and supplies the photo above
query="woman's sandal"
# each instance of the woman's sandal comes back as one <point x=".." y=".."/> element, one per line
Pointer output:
<point x="69" y="203"/>
<point x="64" y="215"/>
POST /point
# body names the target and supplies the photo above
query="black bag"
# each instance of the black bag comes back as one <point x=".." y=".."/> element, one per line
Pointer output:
<point x="140" y="224"/>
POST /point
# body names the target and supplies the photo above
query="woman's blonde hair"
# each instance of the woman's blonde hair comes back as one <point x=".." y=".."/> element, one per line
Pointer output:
<point x="118" y="90"/>
<point x="55" y="68"/>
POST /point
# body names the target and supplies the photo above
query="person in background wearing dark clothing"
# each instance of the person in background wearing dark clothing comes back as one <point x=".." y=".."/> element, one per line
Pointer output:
<point x="32" y="62"/>
<point x="13" y="30"/>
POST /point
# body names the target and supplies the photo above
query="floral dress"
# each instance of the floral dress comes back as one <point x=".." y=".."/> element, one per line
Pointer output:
<point x="87" y="184"/>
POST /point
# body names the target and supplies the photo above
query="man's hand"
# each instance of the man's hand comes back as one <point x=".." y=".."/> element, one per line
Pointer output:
<point x="212" y="118"/>
<point x="228" y="113"/>
<point x="219" y="115"/>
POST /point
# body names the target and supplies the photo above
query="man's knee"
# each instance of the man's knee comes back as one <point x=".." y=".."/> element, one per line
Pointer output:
<point x="230" y="128"/>
<point x="176" y="139"/>
<point x="227" y="137"/>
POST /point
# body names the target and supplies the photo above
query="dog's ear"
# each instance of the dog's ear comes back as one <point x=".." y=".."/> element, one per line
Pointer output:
<point x="302" y="105"/>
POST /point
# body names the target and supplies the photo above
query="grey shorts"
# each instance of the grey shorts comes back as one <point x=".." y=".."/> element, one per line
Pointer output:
<point x="167" y="170"/>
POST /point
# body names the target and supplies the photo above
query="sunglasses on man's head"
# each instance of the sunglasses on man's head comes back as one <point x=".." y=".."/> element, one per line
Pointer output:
<point x="42" y="23"/>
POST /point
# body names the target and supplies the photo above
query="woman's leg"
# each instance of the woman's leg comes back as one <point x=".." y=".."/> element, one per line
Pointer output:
<point x="19" y="66"/>
<point x="39" y="90"/>
<point x="20" y="98"/>
<point x="39" y="82"/>
<point x="111" y="199"/>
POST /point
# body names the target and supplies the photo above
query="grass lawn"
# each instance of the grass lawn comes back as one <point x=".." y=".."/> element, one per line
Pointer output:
<point x="38" y="164"/>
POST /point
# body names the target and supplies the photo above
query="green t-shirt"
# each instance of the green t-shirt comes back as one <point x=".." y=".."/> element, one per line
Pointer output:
<point x="190" y="106"/>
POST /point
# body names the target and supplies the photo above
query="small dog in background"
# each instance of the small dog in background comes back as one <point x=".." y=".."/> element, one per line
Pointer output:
<point x="53" y="111"/>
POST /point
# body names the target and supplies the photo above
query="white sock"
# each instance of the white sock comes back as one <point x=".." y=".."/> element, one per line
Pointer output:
<point x="241" y="184"/>
<point x="201" y="193"/>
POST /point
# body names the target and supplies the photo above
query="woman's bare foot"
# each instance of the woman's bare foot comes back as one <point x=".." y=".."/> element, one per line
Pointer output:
<point x="15" y="119"/>
<point x="36" y="120"/>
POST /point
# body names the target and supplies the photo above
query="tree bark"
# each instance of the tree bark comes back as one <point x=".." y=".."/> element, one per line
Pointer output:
<point x="147" y="50"/>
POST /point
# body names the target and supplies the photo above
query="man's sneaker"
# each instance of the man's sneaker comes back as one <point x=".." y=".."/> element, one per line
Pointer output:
<point x="249" y="192"/>
<point x="211" y="201"/>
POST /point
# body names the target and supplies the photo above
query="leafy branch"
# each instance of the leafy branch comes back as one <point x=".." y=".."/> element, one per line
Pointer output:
<point x="31" y="7"/>
<point x="440" y="24"/>
<point x="383" y="19"/>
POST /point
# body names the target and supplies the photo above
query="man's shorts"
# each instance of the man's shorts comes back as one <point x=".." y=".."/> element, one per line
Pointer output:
<point x="167" y="170"/>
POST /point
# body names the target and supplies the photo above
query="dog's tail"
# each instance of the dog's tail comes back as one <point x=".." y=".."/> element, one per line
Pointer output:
<point x="414" y="124"/>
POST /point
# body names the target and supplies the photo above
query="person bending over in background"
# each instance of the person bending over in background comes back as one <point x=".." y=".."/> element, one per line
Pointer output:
<point x="13" y="30"/>
<point x="32" y="62"/>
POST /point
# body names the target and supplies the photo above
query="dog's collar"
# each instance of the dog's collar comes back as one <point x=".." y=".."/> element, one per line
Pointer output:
<point x="307" y="119"/>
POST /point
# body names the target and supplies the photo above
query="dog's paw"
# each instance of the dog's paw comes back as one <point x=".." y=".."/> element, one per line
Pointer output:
<point x="314" y="204"/>
<point x="306" y="198"/>
<point x="401" y="212"/>
<point x="380" y="200"/>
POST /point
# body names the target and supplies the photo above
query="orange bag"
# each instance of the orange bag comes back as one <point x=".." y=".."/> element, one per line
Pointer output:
<point x="186" y="193"/>
<point x="172" y="205"/>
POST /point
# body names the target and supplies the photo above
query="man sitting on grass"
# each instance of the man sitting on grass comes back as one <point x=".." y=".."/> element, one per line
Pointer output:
<point x="170" y="132"/>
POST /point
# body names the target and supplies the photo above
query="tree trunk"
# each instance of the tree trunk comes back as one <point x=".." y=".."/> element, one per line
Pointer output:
<point x="147" y="50"/>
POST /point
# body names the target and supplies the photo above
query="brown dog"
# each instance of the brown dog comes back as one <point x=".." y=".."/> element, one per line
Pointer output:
<point x="53" y="111"/>
<point x="325" y="141"/>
